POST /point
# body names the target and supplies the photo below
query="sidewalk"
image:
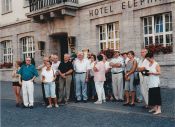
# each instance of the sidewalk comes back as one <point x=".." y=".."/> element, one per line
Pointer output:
<point x="168" y="102"/>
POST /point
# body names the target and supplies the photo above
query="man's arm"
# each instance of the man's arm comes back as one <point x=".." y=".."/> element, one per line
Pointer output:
<point x="69" y="72"/>
<point x="35" y="73"/>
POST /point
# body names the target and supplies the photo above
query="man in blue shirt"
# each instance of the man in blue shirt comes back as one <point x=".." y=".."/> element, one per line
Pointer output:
<point x="28" y="73"/>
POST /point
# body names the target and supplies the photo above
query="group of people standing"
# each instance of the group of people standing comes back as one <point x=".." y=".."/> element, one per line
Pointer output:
<point x="123" y="78"/>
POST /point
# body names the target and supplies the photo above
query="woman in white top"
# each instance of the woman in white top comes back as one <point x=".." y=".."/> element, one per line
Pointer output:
<point x="41" y="68"/>
<point x="15" y="83"/>
<point x="48" y="78"/>
<point x="153" y="84"/>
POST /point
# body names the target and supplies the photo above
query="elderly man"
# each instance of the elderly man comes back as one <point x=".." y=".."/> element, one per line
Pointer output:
<point x="65" y="71"/>
<point x="117" y="63"/>
<point x="81" y="67"/>
<point x="143" y="64"/>
<point x="28" y="73"/>
<point x="55" y="62"/>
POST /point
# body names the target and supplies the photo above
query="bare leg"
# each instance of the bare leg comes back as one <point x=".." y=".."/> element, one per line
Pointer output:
<point x="133" y="97"/>
<point x="127" y="97"/>
<point x="50" y="101"/>
<point x="15" y="91"/>
<point x="55" y="101"/>
<point x="158" y="110"/>
<point x="19" y="98"/>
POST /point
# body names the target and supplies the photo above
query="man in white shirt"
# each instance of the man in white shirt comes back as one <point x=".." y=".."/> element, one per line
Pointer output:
<point x="55" y="63"/>
<point x="81" y="67"/>
<point x="143" y="64"/>
<point x="117" y="63"/>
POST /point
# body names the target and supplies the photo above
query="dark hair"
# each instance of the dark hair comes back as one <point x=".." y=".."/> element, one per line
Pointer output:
<point x="50" y="62"/>
<point x="124" y="53"/>
<point x="100" y="57"/>
<point x="94" y="56"/>
<point x="149" y="55"/>
<point x="132" y="53"/>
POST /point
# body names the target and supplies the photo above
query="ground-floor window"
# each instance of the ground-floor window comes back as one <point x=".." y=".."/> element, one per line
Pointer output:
<point x="28" y="47"/>
<point x="109" y="36"/>
<point x="158" y="30"/>
<point x="7" y="51"/>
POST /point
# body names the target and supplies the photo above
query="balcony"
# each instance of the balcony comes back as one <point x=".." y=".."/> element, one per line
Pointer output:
<point x="43" y="10"/>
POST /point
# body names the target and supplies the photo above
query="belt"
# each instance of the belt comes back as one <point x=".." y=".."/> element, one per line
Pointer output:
<point x="80" y="72"/>
<point x="117" y="72"/>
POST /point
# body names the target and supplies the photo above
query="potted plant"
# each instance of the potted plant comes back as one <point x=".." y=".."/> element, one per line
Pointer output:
<point x="108" y="53"/>
<point x="1" y="66"/>
<point x="8" y="65"/>
<point x="156" y="49"/>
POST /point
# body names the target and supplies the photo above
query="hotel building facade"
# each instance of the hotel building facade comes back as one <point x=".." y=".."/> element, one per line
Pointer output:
<point x="41" y="27"/>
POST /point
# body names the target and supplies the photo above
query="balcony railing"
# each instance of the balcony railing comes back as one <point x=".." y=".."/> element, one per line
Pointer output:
<point x="39" y="4"/>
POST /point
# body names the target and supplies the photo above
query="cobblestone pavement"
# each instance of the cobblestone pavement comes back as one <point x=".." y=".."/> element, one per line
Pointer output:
<point x="110" y="114"/>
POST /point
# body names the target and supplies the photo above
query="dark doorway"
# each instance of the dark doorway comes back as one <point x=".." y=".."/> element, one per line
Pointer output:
<point x="64" y="45"/>
<point x="62" y="38"/>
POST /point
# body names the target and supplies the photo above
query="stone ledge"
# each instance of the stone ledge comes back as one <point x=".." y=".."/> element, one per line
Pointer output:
<point x="6" y="69"/>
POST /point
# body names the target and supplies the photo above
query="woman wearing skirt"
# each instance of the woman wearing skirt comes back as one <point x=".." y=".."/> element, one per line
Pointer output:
<point x="16" y="85"/>
<point x="153" y="84"/>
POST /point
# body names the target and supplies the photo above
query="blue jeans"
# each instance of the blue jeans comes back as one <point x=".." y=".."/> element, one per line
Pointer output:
<point x="50" y="89"/>
<point x="81" y="86"/>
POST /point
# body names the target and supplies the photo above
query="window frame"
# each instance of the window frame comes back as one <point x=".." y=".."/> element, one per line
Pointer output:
<point x="158" y="34"/>
<point x="29" y="44"/>
<point x="107" y="42"/>
<point x="7" y="52"/>
<point x="26" y="3"/>
<point x="6" y="3"/>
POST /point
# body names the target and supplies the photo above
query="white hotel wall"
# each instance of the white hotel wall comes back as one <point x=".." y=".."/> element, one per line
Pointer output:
<point x="18" y="13"/>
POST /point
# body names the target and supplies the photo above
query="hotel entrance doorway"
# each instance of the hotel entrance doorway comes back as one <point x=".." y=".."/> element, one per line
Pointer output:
<point x="62" y="39"/>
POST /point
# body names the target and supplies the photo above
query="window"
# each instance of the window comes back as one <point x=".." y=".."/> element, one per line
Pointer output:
<point x="26" y="3"/>
<point x="7" y="51"/>
<point x="6" y="6"/>
<point x="28" y="47"/>
<point x="158" y="30"/>
<point x="109" y="36"/>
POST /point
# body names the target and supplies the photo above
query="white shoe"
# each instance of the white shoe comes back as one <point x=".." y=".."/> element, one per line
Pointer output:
<point x="56" y="105"/>
<point x="157" y="112"/>
<point x="49" y="106"/>
<point x="98" y="102"/>
<point x="152" y="110"/>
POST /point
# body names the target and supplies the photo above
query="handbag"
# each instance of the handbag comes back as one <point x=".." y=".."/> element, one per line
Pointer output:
<point x="145" y="72"/>
<point x="136" y="79"/>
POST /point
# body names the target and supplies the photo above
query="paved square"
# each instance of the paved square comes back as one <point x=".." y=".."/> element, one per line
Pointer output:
<point x="110" y="114"/>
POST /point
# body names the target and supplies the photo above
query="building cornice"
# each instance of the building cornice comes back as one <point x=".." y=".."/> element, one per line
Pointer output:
<point x="94" y="3"/>
<point x="15" y="23"/>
